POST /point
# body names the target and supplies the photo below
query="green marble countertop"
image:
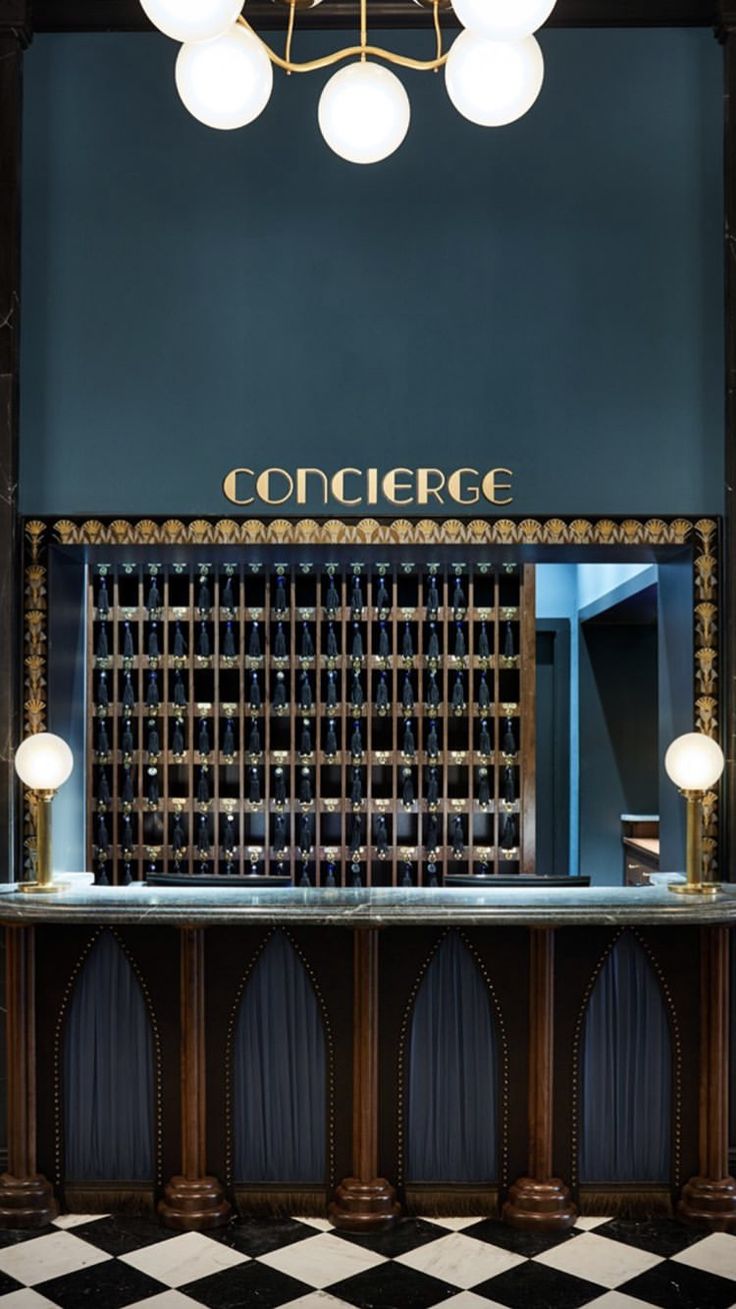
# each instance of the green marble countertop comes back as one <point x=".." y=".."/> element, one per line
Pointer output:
<point x="355" y="907"/>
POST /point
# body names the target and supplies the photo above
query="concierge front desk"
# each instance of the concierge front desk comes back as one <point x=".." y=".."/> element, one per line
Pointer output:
<point x="367" y="1052"/>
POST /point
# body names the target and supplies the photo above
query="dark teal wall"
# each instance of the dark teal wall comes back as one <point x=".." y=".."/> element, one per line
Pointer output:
<point x="546" y="296"/>
<point x="619" y="740"/>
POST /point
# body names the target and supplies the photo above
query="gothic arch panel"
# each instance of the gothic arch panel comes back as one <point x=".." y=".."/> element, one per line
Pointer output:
<point x="452" y="1060"/>
<point x="108" y="1070"/>
<point x="279" y="1062"/>
<point x="626" y="1072"/>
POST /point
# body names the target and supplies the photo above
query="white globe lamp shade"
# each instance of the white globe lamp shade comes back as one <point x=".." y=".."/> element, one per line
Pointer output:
<point x="225" y="83"/>
<point x="192" y="20"/>
<point x="44" y="762"/>
<point x="493" y="82"/>
<point x="364" y="113"/>
<point x="694" y="762"/>
<point x="503" y="20"/>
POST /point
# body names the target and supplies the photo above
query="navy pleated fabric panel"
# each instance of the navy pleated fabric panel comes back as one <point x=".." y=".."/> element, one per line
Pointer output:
<point x="626" y="1071"/>
<point x="452" y="1101"/>
<point x="108" y="1072"/>
<point x="279" y="1073"/>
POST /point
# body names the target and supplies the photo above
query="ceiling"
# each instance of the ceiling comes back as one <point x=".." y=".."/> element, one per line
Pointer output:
<point x="127" y="15"/>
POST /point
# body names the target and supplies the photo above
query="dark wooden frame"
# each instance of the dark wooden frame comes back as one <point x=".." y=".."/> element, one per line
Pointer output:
<point x="511" y="600"/>
<point x="701" y="536"/>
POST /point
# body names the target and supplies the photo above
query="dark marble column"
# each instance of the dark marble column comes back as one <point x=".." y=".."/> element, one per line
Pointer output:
<point x="365" y="1202"/>
<point x="540" y="1202"/>
<point x="193" y="1201"/>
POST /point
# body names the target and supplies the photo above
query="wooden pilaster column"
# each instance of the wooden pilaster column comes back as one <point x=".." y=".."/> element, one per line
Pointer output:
<point x="365" y="1202"/>
<point x="193" y="1201"/>
<point x="711" y="1196"/>
<point x="26" y="1198"/>
<point x="540" y="1202"/>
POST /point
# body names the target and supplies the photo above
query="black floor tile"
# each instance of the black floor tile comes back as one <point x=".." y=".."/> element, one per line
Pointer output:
<point x="17" y="1235"/>
<point x="119" y="1234"/>
<point x="529" y="1244"/>
<point x="676" y="1286"/>
<point x="407" y="1234"/>
<point x="245" y="1287"/>
<point x="392" y="1286"/>
<point x="663" y="1236"/>
<point x="8" y="1284"/>
<point x="536" y="1285"/>
<point x="257" y="1236"/>
<point x="111" y="1284"/>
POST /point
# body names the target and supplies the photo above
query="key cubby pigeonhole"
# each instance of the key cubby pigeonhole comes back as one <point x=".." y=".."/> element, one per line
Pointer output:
<point x="343" y="721"/>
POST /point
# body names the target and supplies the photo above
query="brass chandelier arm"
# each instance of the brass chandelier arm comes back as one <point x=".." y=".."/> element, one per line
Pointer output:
<point x="349" y="52"/>
<point x="437" y="31"/>
<point x="290" y="31"/>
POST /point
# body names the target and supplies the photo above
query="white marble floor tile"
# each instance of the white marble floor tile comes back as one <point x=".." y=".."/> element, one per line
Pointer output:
<point x="322" y="1224"/>
<point x="460" y="1260"/>
<point x="26" y="1299"/>
<point x="66" y="1221"/>
<point x="184" y="1259"/>
<point x="617" y="1300"/>
<point x="321" y="1300"/>
<point x="588" y="1224"/>
<point x="714" y="1254"/>
<point x="469" y="1300"/>
<point x="322" y="1260"/>
<point x="609" y="1263"/>
<point x="55" y="1255"/>
<point x="452" y="1224"/>
<point x="166" y="1300"/>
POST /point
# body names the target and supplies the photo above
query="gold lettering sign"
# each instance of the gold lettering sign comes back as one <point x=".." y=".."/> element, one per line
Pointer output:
<point x="368" y="487"/>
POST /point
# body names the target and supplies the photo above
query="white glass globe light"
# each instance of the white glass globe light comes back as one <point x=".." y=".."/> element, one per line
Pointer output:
<point x="44" y="761"/>
<point x="364" y="113"/>
<point x="192" y="20"/>
<point x="493" y="82"/>
<point x="503" y="20"/>
<point x="694" y="762"/>
<point x="225" y="83"/>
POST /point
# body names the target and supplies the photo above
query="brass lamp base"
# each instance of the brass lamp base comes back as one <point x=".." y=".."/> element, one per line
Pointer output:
<point x="695" y="888"/>
<point x="43" y="888"/>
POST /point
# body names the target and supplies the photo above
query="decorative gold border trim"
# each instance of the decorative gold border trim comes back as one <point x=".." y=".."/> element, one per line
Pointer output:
<point x="502" y="1181"/>
<point x="701" y="534"/>
<point x="374" y="531"/>
<point x="57" y="1057"/>
<point x="576" y="1106"/>
<point x="229" y="1073"/>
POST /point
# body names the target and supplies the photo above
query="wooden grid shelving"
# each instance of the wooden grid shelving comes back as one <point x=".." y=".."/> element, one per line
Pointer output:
<point x="331" y="723"/>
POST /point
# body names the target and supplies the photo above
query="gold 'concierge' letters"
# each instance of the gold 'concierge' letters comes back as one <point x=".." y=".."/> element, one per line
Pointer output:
<point x="366" y="486"/>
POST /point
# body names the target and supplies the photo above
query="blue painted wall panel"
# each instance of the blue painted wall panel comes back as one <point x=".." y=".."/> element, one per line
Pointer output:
<point x="546" y="296"/>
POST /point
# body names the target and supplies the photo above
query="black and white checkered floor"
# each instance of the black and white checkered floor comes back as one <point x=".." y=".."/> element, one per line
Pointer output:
<point x="459" y="1263"/>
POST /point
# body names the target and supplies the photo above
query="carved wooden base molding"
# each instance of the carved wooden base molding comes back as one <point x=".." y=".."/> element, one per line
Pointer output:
<point x="194" y="1206"/>
<point x="26" y="1201"/>
<point x="544" y="1206"/>
<point x="364" y="1206"/>
<point x="711" y="1201"/>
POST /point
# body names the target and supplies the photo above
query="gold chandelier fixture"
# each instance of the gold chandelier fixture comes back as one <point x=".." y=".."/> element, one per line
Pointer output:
<point x="224" y="71"/>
